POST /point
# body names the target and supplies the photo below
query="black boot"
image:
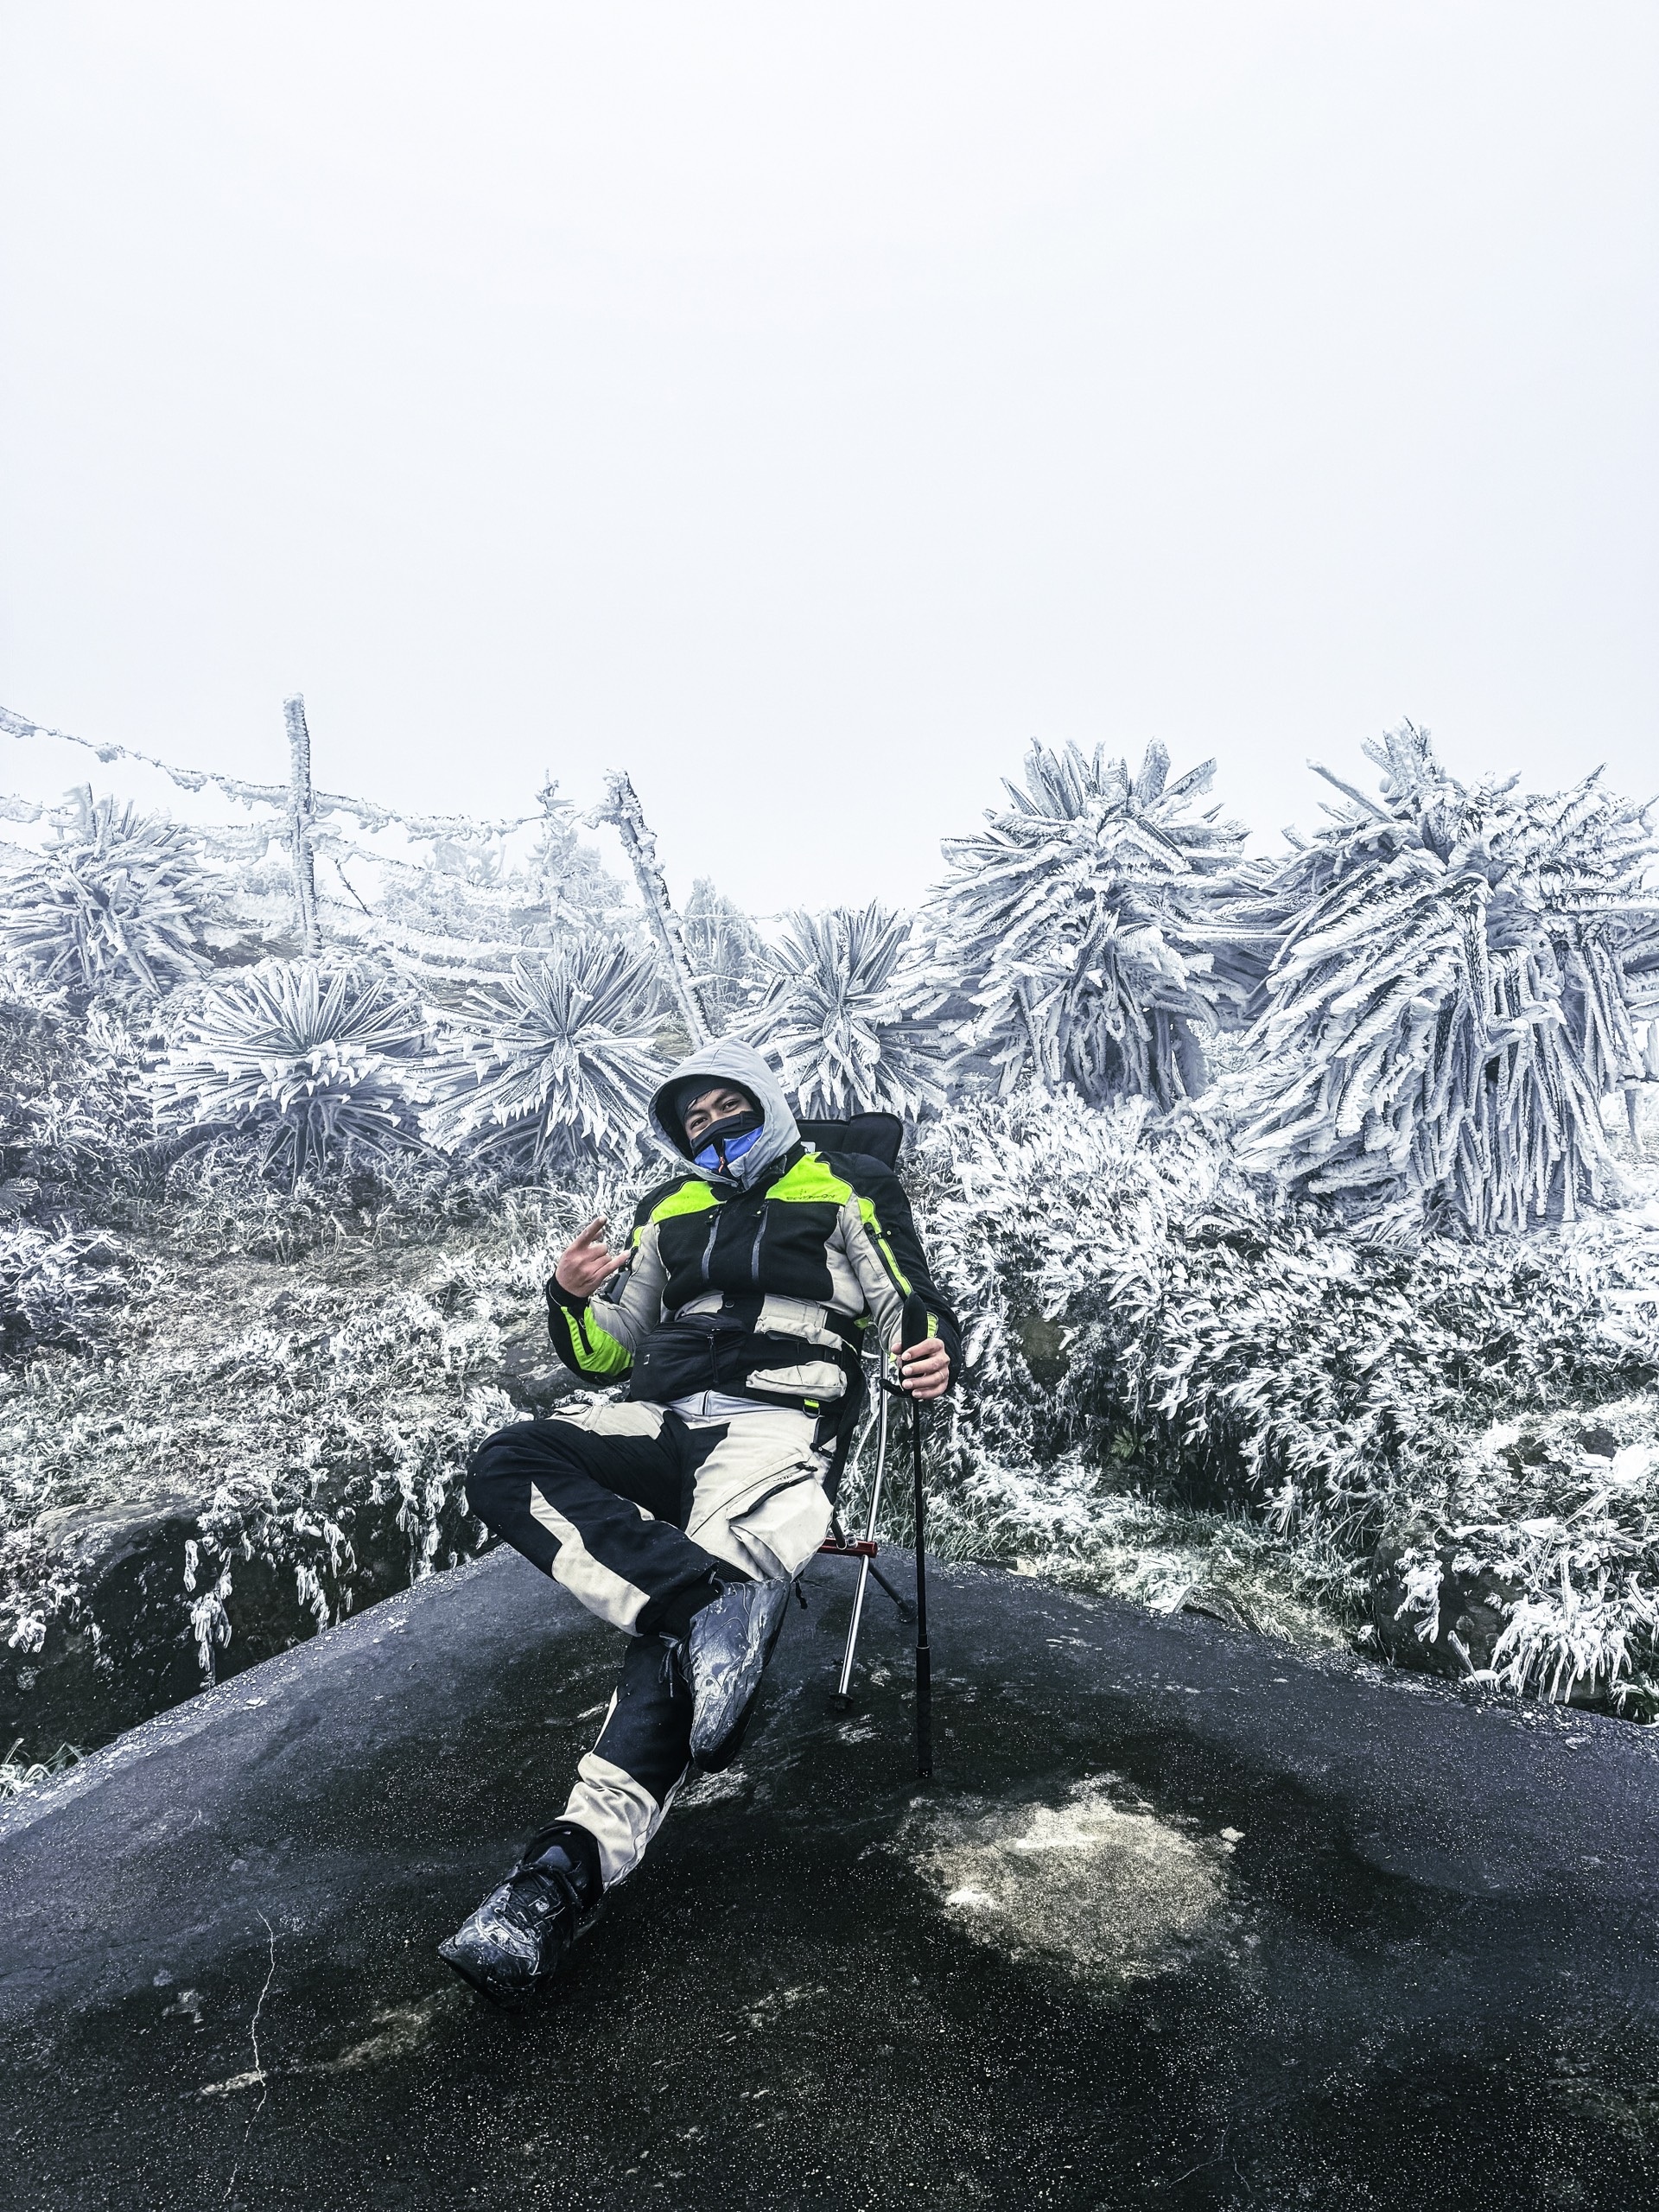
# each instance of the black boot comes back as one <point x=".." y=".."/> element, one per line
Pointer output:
<point x="724" y="1655"/>
<point x="520" y="1937"/>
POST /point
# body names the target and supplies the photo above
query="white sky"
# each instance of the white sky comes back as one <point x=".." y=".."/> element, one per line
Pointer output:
<point x="803" y="406"/>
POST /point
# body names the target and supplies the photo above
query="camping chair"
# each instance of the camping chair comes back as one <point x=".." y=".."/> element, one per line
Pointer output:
<point x="878" y="1136"/>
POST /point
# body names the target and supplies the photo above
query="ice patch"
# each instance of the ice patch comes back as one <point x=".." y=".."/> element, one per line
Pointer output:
<point x="709" y="1789"/>
<point x="1104" y="1888"/>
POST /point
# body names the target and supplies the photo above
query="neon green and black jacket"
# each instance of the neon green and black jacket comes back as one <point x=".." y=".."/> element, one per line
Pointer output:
<point x="762" y="1289"/>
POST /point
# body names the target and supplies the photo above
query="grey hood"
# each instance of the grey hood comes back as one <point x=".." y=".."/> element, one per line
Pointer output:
<point x="727" y="1061"/>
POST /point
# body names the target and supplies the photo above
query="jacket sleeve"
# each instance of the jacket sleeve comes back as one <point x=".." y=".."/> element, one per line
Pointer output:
<point x="880" y="1239"/>
<point x="596" y="1338"/>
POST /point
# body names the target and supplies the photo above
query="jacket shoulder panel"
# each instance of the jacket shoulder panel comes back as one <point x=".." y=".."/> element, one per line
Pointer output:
<point x="685" y="1194"/>
<point x="813" y="1181"/>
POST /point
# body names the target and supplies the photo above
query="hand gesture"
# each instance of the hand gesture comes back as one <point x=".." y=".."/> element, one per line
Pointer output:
<point x="585" y="1263"/>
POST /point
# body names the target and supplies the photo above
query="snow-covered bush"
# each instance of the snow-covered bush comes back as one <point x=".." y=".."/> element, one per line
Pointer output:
<point x="116" y="905"/>
<point x="1135" y="1304"/>
<point x="1081" y="927"/>
<point x="308" y="1436"/>
<point x="75" y="1125"/>
<point x="842" y="1015"/>
<point x="1463" y="973"/>
<point x="314" y="1056"/>
<point x="1539" y="1567"/>
<point x="52" y="1285"/>
<point x="553" y="1060"/>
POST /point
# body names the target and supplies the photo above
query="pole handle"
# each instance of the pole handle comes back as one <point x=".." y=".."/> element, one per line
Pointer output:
<point x="916" y="1323"/>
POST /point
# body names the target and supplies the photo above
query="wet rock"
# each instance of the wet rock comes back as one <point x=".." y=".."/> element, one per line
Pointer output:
<point x="121" y="1637"/>
<point x="1215" y="1603"/>
<point x="122" y="1649"/>
<point x="530" y="1375"/>
<point x="1181" y="1921"/>
<point x="1468" y="1611"/>
<point x="1416" y="1587"/>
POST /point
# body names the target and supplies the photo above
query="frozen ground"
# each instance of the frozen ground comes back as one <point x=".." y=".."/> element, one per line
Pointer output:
<point x="1182" y="1920"/>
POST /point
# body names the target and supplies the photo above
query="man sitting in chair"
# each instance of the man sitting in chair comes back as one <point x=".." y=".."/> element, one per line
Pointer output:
<point x="682" y="1512"/>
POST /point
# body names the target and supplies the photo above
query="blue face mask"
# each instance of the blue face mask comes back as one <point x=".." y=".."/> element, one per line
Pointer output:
<point x="724" y="1142"/>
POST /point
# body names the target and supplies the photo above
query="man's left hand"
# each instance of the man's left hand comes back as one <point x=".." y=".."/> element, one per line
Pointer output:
<point x="924" y="1369"/>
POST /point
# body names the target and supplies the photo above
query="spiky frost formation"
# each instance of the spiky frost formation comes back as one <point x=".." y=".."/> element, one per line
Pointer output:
<point x="1461" y="979"/>
<point x="1081" y="927"/>
<point x="313" y="1055"/>
<point x="842" y="1015"/>
<point x="553" y="1060"/>
<point x="115" y="906"/>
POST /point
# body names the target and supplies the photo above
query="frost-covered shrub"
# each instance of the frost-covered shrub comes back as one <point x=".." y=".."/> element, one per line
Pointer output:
<point x="307" y="1433"/>
<point x="17" y="1774"/>
<point x="1136" y="1307"/>
<point x="1080" y="927"/>
<point x="841" y="1014"/>
<point x="1553" y="1520"/>
<point x="75" y="1126"/>
<point x="116" y="905"/>
<point x="1463" y="975"/>
<point x="551" y="1062"/>
<point x="52" y="1285"/>
<point x="313" y="1055"/>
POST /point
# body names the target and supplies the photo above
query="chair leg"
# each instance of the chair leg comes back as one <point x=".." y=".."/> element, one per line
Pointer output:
<point x="906" y="1606"/>
<point x="865" y="1566"/>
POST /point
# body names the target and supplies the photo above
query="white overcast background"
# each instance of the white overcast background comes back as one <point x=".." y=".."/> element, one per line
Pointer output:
<point x="804" y="406"/>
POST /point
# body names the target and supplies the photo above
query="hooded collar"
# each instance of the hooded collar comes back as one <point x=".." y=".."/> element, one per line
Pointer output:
<point x="727" y="1061"/>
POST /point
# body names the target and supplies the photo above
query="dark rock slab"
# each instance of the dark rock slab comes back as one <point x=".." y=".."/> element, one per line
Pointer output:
<point x="1181" y="1921"/>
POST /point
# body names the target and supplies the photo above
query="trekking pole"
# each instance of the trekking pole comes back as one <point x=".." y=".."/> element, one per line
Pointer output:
<point x="916" y="1328"/>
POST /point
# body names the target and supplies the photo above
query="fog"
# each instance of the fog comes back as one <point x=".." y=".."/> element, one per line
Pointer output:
<point x="805" y="407"/>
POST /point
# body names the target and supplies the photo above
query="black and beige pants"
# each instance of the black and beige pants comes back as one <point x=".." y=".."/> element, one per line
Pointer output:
<point x="634" y="1510"/>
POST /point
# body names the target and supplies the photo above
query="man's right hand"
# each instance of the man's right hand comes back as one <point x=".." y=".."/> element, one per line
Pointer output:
<point x="585" y="1263"/>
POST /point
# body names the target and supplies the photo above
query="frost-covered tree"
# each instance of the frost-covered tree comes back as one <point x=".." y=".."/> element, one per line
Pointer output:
<point x="313" y="1055"/>
<point x="843" y="1012"/>
<point x="553" y="1060"/>
<point x="1462" y="976"/>
<point x="116" y="905"/>
<point x="1081" y="927"/>
<point x="472" y="889"/>
<point x="728" y="956"/>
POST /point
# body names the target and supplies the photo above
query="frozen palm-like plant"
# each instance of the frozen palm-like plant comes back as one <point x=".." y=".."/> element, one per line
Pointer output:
<point x="553" y="1058"/>
<point x="313" y="1055"/>
<point x="1461" y="979"/>
<point x="114" y="906"/>
<point x="1081" y="927"/>
<point x="840" y="1013"/>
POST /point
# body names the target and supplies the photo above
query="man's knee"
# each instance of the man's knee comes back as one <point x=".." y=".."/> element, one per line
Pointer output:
<point x="499" y="1471"/>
